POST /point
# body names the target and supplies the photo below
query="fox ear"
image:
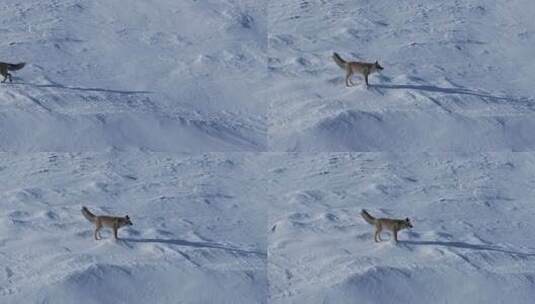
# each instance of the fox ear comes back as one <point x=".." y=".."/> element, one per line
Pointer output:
<point x="407" y="219"/>
<point x="127" y="217"/>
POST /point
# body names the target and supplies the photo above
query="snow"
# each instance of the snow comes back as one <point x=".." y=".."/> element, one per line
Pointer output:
<point x="198" y="233"/>
<point x="157" y="75"/>
<point x="223" y="128"/>
<point x="457" y="76"/>
<point x="472" y="240"/>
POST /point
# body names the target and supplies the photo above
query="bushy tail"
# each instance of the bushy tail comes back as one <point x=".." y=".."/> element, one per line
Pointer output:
<point x="88" y="215"/>
<point x="16" y="67"/>
<point x="339" y="61"/>
<point x="367" y="217"/>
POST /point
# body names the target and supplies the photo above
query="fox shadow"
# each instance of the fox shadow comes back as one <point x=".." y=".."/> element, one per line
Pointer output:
<point x="436" y="89"/>
<point x="211" y="245"/>
<point x="469" y="246"/>
<point x="82" y="89"/>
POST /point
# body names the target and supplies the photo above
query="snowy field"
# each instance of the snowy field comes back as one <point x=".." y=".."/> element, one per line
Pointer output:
<point x="160" y="75"/>
<point x="223" y="128"/>
<point x="267" y="228"/>
<point x="198" y="234"/>
<point x="472" y="240"/>
<point x="458" y="75"/>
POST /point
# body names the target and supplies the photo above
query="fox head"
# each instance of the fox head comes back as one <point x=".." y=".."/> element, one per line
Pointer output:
<point x="126" y="221"/>
<point x="378" y="66"/>
<point x="407" y="223"/>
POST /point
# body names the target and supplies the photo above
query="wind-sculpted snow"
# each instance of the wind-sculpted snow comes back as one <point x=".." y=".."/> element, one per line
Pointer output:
<point x="224" y="129"/>
<point x="352" y="130"/>
<point x="455" y="72"/>
<point x="154" y="75"/>
<point x="471" y="241"/>
<point x="198" y="233"/>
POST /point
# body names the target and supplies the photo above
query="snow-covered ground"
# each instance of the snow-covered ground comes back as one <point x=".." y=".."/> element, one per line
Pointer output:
<point x="206" y="226"/>
<point x="224" y="129"/>
<point x="159" y="75"/>
<point x="472" y="240"/>
<point x="198" y="235"/>
<point x="458" y="75"/>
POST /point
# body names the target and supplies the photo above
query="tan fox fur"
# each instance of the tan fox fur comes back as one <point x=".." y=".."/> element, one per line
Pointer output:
<point x="351" y="67"/>
<point x="394" y="225"/>
<point x="113" y="222"/>
<point x="6" y="67"/>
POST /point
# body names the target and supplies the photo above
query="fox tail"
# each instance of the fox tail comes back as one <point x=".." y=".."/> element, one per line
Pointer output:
<point x="339" y="61"/>
<point x="16" y="67"/>
<point x="367" y="217"/>
<point x="88" y="215"/>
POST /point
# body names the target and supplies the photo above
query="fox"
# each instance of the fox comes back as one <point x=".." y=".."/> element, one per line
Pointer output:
<point x="113" y="222"/>
<point x="394" y="225"/>
<point x="352" y="67"/>
<point x="6" y="67"/>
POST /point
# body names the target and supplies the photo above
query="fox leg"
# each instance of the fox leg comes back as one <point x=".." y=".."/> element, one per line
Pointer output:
<point x="377" y="236"/>
<point x="115" y="232"/>
<point x="97" y="231"/>
<point x="348" y="77"/>
<point x="395" y="235"/>
<point x="366" y="79"/>
<point x="7" y="76"/>
<point x="379" y="230"/>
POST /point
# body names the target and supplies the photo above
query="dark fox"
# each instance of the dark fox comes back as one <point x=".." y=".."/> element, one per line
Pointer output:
<point x="6" y="67"/>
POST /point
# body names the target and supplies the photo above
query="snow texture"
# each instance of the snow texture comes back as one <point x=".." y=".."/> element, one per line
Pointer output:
<point x="472" y="240"/>
<point x="198" y="233"/>
<point x="157" y="75"/>
<point x="224" y="129"/>
<point x="458" y="75"/>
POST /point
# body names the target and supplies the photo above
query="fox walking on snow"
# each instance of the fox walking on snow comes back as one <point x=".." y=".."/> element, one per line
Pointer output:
<point x="394" y="225"/>
<point x="113" y="222"/>
<point x="6" y="67"/>
<point x="351" y="67"/>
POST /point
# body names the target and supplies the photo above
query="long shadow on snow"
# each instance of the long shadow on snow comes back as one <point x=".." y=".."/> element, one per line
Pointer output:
<point x="197" y="245"/>
<point x="469" y="246"/>
<point x="60" y="86"/>
<point x="460" y="91"/>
